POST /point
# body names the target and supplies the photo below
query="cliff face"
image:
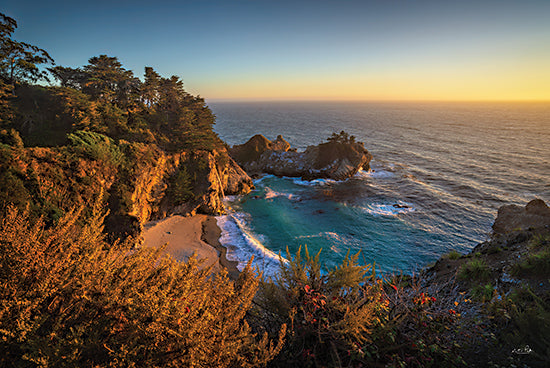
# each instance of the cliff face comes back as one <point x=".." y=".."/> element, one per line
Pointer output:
<point x="145" y="184"/>
<point x="336" y="160"/>
<point x="186" y="183"/>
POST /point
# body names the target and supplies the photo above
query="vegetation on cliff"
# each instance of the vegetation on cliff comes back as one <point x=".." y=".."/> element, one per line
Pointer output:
<point x="147" y="143"/>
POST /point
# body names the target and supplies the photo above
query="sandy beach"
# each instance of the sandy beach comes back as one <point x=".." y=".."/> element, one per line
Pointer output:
<point x="187" y="235"/>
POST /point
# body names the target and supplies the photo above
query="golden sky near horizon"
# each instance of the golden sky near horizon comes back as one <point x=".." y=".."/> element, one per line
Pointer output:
<point x="310" y="50"/>
<point x="524" y="80"/>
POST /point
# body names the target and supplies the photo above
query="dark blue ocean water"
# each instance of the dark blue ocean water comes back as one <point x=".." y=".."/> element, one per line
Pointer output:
<point x="440" y="172"/>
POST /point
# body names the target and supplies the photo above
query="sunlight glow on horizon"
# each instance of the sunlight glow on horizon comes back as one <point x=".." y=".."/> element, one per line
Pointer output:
<point x="524" y="85"/>
<point x="473" y="50"/>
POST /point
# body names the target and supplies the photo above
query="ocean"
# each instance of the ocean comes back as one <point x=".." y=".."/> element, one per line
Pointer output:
<point x="440" y="172"/>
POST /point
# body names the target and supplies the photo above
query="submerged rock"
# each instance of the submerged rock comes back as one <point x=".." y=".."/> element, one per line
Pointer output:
<point x="335" y="159"/>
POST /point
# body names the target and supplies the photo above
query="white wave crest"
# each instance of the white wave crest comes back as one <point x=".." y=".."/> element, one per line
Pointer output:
<point x="270" y="194"/>
<point x="242" y="244"/>
<point x="378" y="174"/>
<point x="389" y="210"/>
<point x="310" y="183"/>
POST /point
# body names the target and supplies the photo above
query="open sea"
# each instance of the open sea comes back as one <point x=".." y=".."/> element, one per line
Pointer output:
<point x="440" y="172"/>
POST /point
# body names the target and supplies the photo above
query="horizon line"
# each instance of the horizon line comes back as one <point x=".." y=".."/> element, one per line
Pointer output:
<point x="237" y="99"/>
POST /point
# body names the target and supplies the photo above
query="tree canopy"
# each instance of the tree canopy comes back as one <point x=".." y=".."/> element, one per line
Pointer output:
<point x="19" y="61"/>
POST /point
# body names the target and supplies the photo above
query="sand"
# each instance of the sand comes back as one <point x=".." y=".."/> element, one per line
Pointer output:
<point x="197" y="234"/>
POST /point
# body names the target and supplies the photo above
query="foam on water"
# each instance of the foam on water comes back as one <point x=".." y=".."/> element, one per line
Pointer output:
<point x="270" y="194"/>
<point x="242" y="244"/>
<point x="391" y="210"/>
<point x="310" y="183"/>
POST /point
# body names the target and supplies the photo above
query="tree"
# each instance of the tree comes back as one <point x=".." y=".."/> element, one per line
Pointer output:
<point x="150" y="88"/>
<point x="342" y="138"/>
<point x="68" y="77"/>
<point x="6" y="111"/>
<point x="108" y="81"/>
<point x="19" y="60"/>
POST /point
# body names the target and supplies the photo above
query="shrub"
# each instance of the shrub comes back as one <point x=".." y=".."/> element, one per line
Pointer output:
<point x="482" y="293"/>
<point x="526" y="325"/>
<point x="70" y="299"/>
<point x="97" y="146"/>
<point x="331" y="316"/>
<point x="535" y="264"/>
<point x="474" y="270"/>
<point x="348" y="317"/>
<point x="540" y="241"/>
<point x="453" y="254"/>
<point x="11" y="137"/>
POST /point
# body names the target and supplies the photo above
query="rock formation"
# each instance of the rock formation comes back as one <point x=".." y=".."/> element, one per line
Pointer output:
<point x="173" y="184"/>
<point x="536" y="214"/>
<point x="336" y="159"/>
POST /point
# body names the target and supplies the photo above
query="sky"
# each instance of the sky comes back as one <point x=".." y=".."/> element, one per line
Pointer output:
<point x="309" y="50"/>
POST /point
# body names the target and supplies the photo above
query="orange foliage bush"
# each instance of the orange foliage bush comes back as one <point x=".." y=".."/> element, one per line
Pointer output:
<point x="70" y="299"/>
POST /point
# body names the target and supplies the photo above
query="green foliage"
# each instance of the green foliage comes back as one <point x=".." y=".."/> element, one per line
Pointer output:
<point x="453" y="255"/>
<point x="535" y="264"/>
<point x="70" y="299"/>
<point x="11" y="137"/>
<point x="522" y="320"/>
<point x="341" y="138"/>
<point x="348" y="317"/>
<point x="539" y="241"/>
<point x="482" y="293"/>
<point x="330" y="315"/>
<point x="12" y="189"/>
<point x="19" y="60"/>
<point x="475" y="270"/>
<point x="98" y="146"/>
<point x="6" y="110"/>
<point x="181" y="186"/>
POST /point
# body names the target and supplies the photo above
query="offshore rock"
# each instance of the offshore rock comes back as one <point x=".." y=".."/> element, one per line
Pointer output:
<point x="256" y="146"/>
<point x="535" y="215"/>
<point x="336" y="159"/>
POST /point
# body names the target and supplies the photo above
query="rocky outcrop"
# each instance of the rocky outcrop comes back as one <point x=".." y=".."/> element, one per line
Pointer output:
<point x="336" y="159"/>
<point x="536" y="214"/>
<point x="160" y="184"/>
<point x="234" y="179"/>
<point x="253" y="149"/>
<point x="211" y="176"/>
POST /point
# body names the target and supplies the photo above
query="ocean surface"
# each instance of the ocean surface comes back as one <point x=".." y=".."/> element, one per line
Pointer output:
<point x="440" y="172"/>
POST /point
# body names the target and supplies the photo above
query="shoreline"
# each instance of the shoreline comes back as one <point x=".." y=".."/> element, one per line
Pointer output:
<point x="184" y="236"/>
<point x="211" y="234"/>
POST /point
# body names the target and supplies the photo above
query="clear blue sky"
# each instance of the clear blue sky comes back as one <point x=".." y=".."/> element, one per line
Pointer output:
<point x="309" y="49"/>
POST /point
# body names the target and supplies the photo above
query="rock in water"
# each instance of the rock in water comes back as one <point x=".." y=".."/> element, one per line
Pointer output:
<point x="335" y="159"/>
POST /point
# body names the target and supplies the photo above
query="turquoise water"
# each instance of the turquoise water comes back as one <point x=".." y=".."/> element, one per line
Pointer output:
<point x="440" y="172"/>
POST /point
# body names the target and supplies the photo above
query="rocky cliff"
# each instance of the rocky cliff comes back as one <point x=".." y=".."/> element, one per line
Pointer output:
<point x="185" y="183"/>
<point x="514" y="254"/>
<point x="144" y="182"/>
<point x="535" y="214"/>
<point x="338" y="159"/>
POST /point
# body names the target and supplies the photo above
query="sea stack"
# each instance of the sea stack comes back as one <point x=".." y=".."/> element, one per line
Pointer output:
<point x="339" y="158"/>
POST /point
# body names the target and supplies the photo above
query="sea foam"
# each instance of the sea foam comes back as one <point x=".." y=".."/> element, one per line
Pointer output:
<point x="242" y="244"/>
<point x="389" y="210"/>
